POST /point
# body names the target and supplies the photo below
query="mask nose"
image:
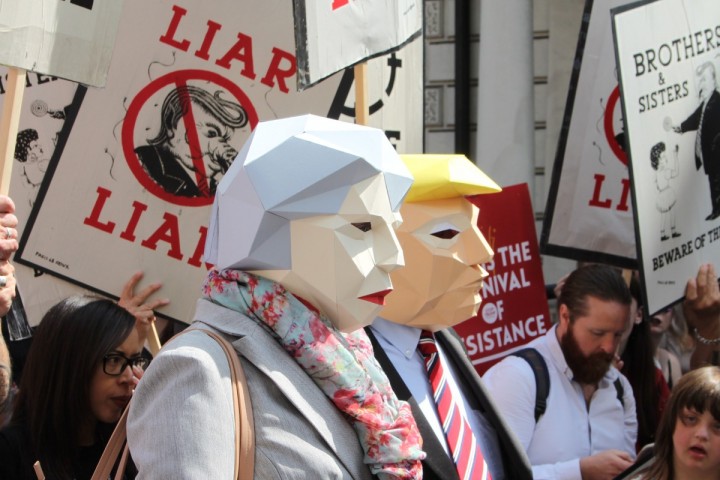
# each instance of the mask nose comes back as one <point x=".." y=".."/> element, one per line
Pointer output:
<point x="388" y="253"/>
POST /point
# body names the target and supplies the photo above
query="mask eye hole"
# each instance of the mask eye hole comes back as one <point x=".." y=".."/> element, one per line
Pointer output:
<point x="446" y="234"/>
<point x="363" y="226"/>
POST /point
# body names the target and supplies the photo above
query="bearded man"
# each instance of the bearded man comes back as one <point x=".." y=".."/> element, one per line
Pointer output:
<point x="589" y="427"/>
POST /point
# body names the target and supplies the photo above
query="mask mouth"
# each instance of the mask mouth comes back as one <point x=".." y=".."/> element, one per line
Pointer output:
<point x="377" y="297"/>
<point x="655" y="322"/>
<point x="479" y="283"/>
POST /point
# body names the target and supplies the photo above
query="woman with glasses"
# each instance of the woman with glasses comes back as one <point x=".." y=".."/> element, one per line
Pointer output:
<point x="81" y="371"/>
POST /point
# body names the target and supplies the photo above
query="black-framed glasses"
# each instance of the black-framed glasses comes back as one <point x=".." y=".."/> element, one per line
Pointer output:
<point x="115" y="364"/>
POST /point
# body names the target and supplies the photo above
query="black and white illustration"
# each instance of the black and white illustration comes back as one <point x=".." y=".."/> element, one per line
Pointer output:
<point x="665" y="173"/>
<point x="667" y="56"/>
<point x="705" y="122"/>
<point x="195" y="142"/>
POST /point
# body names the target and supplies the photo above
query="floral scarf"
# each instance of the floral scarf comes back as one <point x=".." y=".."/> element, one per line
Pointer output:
<point x="341" y="364"/>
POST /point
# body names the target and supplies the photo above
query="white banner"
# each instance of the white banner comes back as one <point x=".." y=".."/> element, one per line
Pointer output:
<point x="47" y="104"/>
<point x="72" y="39"/>
<point x="588" y="215"/>
<point x="187" y="84"/>
<point x="668" y="57"/>
<point x="334" y="34"/>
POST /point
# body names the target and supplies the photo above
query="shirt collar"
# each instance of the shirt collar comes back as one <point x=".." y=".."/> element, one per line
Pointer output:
<point x="556" y="353"/>
<point x="403" y="337"/>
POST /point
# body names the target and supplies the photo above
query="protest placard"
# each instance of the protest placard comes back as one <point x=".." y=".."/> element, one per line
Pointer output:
<point x="331" y="35"/>
<point x="588" y="216"/>
<point x="187" y="83"/>
<point x="514" y="310"/>
<point x="72" y="39"/>
<point x="668" y="53"/>
<point x="47" y="106"/>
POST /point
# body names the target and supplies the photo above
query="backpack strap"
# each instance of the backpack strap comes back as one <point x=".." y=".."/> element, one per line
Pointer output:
<point x="542" y="378"/>
<point x="620" y="391"/>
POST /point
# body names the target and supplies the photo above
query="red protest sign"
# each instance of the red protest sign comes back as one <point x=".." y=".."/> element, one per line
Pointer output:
<point x="514" y="309"/>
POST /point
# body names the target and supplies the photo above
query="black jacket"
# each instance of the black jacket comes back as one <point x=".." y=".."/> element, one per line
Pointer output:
<point x="438" y="465"/>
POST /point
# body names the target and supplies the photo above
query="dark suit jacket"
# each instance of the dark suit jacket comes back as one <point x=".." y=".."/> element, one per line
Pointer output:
<point x="166" y="171"/>
<point x="709" y="133"/>
<point x="438" y="465"/>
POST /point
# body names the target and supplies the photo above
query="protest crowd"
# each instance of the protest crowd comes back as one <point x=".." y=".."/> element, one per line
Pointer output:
<point x="349" y="312"/>
<point x="361" y="377"/>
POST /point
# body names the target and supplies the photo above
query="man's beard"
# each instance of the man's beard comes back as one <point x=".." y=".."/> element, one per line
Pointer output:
<point x="588" y="370"/>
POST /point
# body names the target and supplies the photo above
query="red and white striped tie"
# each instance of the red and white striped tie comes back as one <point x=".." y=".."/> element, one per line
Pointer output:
<point x="464" y="447"/>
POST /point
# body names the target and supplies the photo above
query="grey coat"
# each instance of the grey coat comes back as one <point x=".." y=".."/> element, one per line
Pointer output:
<point x="181" y="422"/>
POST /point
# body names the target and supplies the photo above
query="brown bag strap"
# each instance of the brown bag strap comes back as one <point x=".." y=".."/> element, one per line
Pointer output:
<point x="115" y="445"/>
<point x="244" y="425"/>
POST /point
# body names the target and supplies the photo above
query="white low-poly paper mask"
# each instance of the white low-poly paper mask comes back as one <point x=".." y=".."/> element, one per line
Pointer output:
<point x="341" y="263"/>
<point x="294" y="207"/>
<point x="443" y="248"/>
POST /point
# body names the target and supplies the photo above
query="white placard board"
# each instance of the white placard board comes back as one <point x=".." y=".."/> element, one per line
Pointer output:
<point x="668" y="53"/>
<point x="334" y="34"/>
<point x="72" y="39"/>
<point x="46" y="107"/>
<point x="104" y="216"/>
<point x="588" y="216"/>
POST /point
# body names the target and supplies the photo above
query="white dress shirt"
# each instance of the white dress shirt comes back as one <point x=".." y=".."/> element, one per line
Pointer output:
<point x="569" y="429"/>
<point x="400" y="343"/>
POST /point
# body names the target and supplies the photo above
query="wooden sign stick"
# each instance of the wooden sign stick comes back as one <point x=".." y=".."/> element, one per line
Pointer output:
<point x="38" y="471"/>
<point x="627" y="276"/>
<point x="362" y="110"/>
<point x="153" y="340"/>
<point x="9" y="122"/>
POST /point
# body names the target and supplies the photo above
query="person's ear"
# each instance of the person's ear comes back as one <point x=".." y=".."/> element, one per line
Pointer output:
<point x="638" y="316"/>
<point x="563" y="317"/>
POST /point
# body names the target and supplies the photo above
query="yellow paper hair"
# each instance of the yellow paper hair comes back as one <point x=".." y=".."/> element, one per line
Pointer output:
<point x="438" y="176"/>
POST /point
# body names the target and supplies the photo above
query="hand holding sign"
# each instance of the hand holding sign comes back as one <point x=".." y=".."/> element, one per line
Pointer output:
<point x="702" y="313"/>
<point x="702" y="302"/>
<point x="142" y="309"/>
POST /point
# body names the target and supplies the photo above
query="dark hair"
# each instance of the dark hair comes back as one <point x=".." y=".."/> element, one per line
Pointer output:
<point x="595" y="280"/>
<point x="640" y="370"/>
<point x="655" y="153"/>
<point x="698" y="389"/>
<point x="24" y="139"/>
<point x="177" y="104"/>
<point x="67" y="348"/>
